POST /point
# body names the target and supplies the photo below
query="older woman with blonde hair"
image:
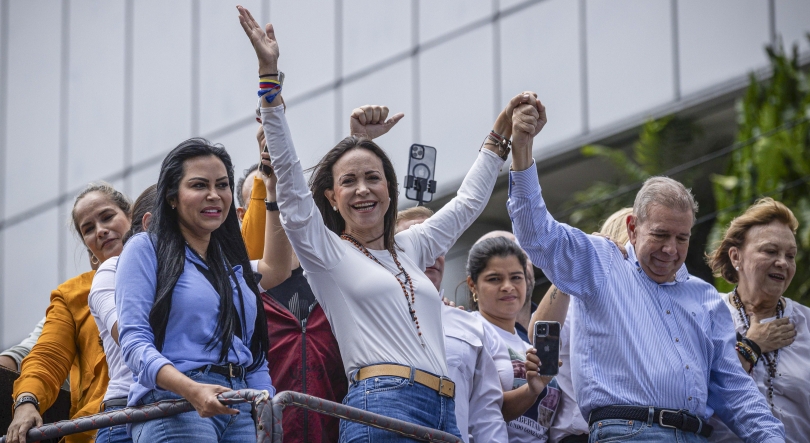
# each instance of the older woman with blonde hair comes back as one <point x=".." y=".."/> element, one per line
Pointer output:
<point x="758" y="254"/>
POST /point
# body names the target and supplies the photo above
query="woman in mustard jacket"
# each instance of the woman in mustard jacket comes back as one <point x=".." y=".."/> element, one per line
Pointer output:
<point x="70" y="343"/>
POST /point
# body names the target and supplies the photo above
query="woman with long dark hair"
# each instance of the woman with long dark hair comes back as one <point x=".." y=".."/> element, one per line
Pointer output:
<point x="187" y="303"/>
<point x="386" y="314"/>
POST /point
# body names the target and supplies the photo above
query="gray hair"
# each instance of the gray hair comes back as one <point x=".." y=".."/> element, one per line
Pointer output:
<point x="666" y="192"/>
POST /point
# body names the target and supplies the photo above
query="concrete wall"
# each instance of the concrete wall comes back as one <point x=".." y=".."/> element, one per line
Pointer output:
<point x="93" y="89"/>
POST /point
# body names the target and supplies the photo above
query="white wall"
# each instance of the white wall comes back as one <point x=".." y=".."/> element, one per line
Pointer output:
<point x="89" y="88"/>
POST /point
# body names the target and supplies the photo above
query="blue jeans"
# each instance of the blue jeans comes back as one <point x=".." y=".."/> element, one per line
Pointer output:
<point x="189" y="427"/>
<point x="614" y="430"/>
<point x="113" y="434"/>
<point x="399" y="398"/>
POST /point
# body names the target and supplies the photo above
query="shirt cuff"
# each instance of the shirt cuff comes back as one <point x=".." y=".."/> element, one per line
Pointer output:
<point x="524" y="183"/>
<point x="153" y="367"/>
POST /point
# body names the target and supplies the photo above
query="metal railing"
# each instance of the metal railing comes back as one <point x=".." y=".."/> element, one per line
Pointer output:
<point x="266" y="412"/>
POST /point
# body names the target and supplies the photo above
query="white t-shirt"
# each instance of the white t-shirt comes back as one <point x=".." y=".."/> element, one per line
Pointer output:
<point x="363" y="300"/>
<point x="102" y="305"/>
<point x="479" y="395"/>
<point x="791" y="386"/>
<point x="568" y="420"/>
<point x="533" y="426"/>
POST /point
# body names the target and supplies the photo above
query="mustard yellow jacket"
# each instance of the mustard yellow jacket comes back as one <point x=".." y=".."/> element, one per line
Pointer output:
<point x="69" y="343"/>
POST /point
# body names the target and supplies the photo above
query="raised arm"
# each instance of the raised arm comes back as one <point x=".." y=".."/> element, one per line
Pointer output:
<point x="277" y="259"/>
<point x="427" y="241"/>
<point x="575" y="262"/>
<point x="553" y="307"/>
<point x="315" y="246"/>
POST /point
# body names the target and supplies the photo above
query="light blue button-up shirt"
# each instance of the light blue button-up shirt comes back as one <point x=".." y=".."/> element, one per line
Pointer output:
<point x="637" y="342"/>
<point x="192" y="320"/>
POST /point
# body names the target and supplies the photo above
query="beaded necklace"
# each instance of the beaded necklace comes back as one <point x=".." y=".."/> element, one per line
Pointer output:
<point x="409" y="298"/>
<point x="770" y="360"/>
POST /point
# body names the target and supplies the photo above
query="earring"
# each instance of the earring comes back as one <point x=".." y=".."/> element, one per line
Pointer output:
<point x="94" y="260"/>
<point x="475" y="297"/>
<point x="172" y="207"/>
<point x="737" y="268"/>
<point x="334" y="208"/>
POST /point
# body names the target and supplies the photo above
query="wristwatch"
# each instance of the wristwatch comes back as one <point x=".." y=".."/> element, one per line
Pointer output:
<point x="271" y="206"/>
<point x="26" y="399"/>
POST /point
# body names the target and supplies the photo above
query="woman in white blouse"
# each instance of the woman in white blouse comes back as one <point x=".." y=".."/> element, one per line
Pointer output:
<point x="386" y="314"/>
<point x="758" y="254"/>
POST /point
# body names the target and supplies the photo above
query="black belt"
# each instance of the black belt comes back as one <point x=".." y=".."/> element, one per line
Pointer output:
<point x="666" y="418"/>
<point x="582" y="438"/>
<point x="113" y="402"/>
<point x="230" y="370"/>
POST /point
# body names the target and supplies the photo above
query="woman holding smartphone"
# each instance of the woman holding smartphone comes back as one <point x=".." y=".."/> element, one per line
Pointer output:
<point x="370" y="281"/>
<point x="496" y="278"/>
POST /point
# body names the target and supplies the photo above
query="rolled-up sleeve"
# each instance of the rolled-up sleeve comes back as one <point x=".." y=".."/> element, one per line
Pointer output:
<point x="259" y="378"/>
<point x="135" y="285"/>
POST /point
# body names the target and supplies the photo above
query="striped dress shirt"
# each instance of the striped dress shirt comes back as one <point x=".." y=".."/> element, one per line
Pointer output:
<point x="637" y="342"/>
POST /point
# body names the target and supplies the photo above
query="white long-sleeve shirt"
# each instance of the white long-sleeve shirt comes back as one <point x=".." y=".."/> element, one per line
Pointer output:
<point x="19" y="351"/>
<point x="363" y="301"/>
<point x="479" y="396"/>
<point x="102" y="305"/>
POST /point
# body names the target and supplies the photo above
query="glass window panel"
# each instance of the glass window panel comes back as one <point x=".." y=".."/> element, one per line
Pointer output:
<point x="554" y="21"/>
<point x="629" y="58"/>
<point x="162" y="76"/>
<point x="720" y="40"/>
<point x="32" y="116"/>
<point x="96" y="110"/>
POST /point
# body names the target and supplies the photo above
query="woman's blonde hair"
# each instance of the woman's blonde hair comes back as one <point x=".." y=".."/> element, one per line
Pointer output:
<point x="763" y="212"/>
<point x="615" y="226"/>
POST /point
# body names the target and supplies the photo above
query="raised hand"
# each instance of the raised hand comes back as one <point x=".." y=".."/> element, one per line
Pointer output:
<point x="263" y="41"/>
<point x="503" y="124"/>
<point x="268" y="179"/>
<point x="527" y="121"/>
<point x="370" y="121"/>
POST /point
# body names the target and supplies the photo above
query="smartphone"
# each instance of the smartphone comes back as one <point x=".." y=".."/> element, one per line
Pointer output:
<point x="547" y="343"/>
<point x="267" y="170"/>
<point x="421" y="164"/>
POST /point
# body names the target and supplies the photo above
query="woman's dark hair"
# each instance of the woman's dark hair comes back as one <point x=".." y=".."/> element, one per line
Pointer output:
<point x="225" y="250"/>
<point x="483" y="251"/>
<point x="322" y="179"/>
<point x="143" y="204"/>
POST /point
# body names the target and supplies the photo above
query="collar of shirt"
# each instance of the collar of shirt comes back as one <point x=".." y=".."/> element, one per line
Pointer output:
<point x="680" y="276"/>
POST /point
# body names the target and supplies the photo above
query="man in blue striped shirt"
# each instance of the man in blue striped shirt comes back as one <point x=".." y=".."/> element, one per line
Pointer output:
<point x="653" y="348"/>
